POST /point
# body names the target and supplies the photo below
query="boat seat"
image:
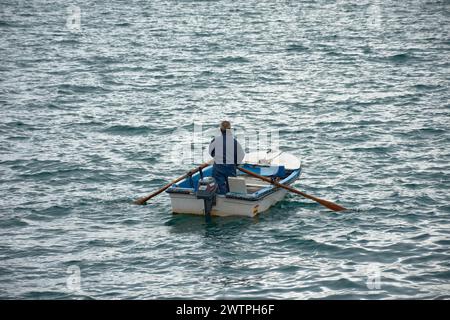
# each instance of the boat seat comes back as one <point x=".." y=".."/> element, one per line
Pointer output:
<point x="257" y="185"/>
<point x="237" y="185"/>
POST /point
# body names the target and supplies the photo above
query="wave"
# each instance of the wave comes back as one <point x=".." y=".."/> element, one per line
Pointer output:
<point x="75" y="88"/>
<point x="400" y="57"/>
<point x="424" y="87"/>
<point x="5" y="24"/>
<point x="296" y="48"/>
<point x="56" y="210"/>
<point x="98" y="60"/>
<point x="127" y="129"/>
<point x="123" y="24"/>
<point x="12" y="223"/>
<point x="234" y="60"/>
<point x="68" y="41"/>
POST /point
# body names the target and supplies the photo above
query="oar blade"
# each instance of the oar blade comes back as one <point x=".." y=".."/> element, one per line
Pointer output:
<point x="140" y="201"/>
<point x="331" y="205"/>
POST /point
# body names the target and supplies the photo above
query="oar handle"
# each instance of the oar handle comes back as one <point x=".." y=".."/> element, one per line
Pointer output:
<point x="143" y="200"/>
<point x="328" y="204"/>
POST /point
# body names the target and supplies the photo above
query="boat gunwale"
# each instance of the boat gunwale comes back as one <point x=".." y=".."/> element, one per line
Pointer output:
<point x="255" y="196"/>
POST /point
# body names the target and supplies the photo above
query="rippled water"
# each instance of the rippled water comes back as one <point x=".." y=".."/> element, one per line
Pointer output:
<point x="357" y="89"/>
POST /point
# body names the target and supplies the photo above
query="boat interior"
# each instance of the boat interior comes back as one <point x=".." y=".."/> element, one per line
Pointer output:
<point x="242" y="185"/>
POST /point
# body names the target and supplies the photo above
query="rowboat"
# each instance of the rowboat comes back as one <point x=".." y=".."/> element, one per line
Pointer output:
<point x="248" y="196"/>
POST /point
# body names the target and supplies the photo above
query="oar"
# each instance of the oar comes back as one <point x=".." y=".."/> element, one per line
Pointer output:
<point x="143" y="200"/>
<point x="328" y="204"/>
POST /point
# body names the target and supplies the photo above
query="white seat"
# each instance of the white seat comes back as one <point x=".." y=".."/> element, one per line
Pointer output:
<point x="258" y="185"/>
<point x="237" y="185"/>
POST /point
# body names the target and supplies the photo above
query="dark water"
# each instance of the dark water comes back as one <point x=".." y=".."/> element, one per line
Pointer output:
<point x="359" y="90"/>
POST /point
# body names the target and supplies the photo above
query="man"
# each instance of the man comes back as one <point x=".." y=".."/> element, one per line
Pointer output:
<point x="227" y="154"/>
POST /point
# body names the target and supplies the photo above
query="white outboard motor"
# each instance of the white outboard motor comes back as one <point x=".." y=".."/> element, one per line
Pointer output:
<point x="206" y="190"/>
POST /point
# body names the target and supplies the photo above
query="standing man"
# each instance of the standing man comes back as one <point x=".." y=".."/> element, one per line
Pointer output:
<point x="227" y="153"/>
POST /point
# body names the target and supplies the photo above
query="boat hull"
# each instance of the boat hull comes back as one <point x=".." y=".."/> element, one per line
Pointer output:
<point x="189" y="204"/>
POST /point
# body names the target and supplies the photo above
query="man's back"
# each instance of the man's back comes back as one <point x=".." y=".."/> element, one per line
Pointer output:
<point x="227" y="153"/>
<point x="225" y="149"/>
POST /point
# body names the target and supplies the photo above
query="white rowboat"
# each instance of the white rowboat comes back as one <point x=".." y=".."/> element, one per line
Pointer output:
<point x="248" y="196"/>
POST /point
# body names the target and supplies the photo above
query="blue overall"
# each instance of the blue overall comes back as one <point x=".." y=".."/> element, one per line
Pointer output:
<point x="221" y="172"/>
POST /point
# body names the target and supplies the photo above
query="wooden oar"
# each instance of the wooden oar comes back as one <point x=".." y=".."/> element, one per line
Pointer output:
<point x="143" y="200"/>
<point x="328" y="204"/>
